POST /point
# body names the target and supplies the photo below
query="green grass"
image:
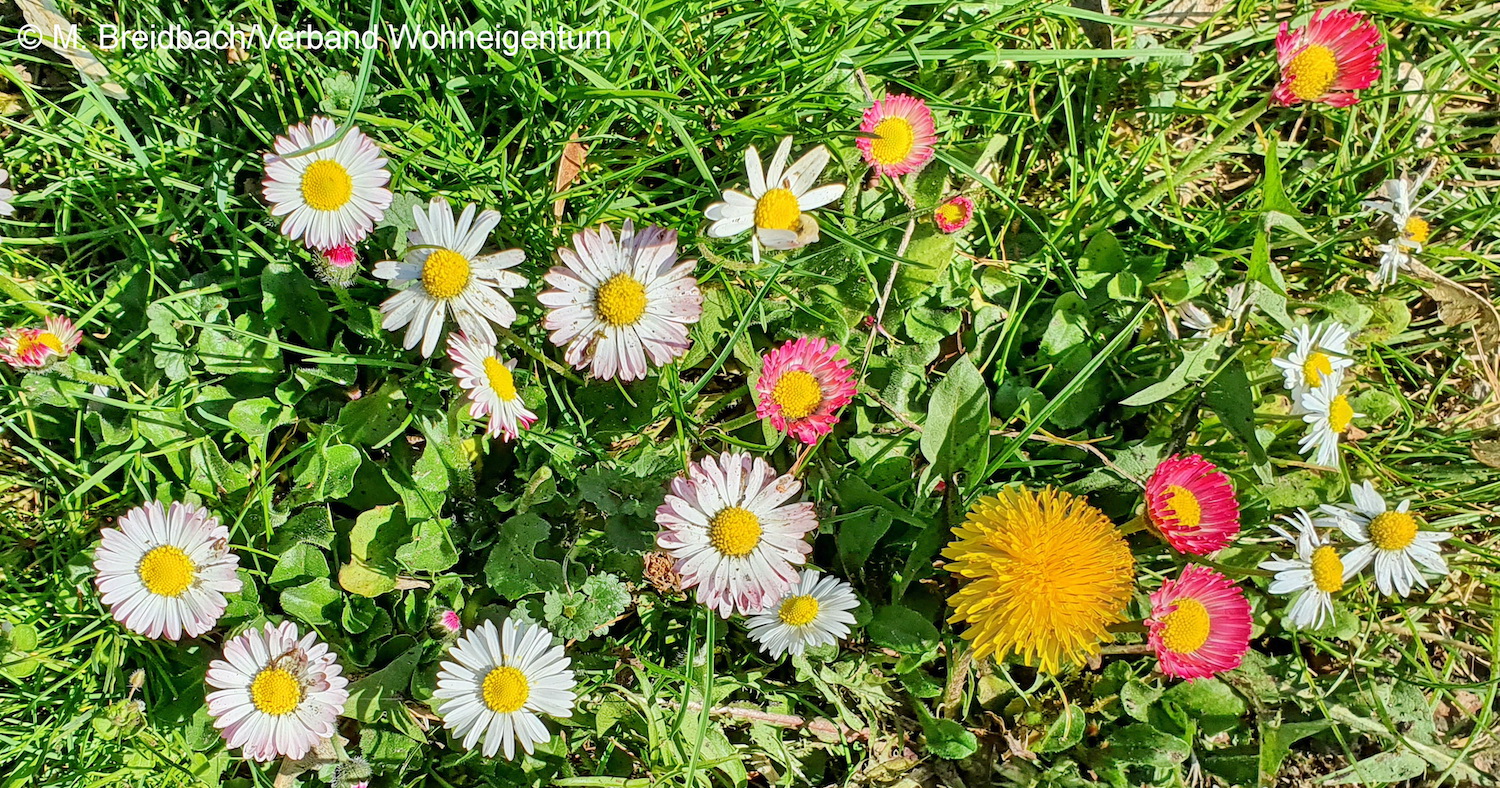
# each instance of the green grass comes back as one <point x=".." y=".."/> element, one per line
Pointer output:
<point x="1112" y="186"/>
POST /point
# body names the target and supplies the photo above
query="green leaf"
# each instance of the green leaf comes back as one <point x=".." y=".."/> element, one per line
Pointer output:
<point x="1195" y="364"/>
<point x="373" y="542"/>
<point x="956" y="433"/>
<point x="1381" y="769"/>
<point x="430" y="548"/>
<point x="1141" y="744"/>
<point x="1273" y="196"/>
<point x="1102" y="259"/>
<point x="1137" y="697"/>
<point x="374" y="418"/>
<point x="300" y="563"/>
<point x="358" y="577"/>
<point x="1232" y="397"/>
<point x="255" y="418"/>
<point x="575" y="615"/>
<point x="380" y="691"/>
<point x="513" y="570"/>
<point x="1068" y="327"/>
<point x="1276" y="743"/>
<point x="858" y="534"/>
<point x="947" y="739"/>
<point x="315" y="602"/>
<point x="313" y="525"/>
<point x="326" y="473"/>
<point x="902" y="629"/>
<point x="1064" y="732"/>
<point x="1205" y="698"/>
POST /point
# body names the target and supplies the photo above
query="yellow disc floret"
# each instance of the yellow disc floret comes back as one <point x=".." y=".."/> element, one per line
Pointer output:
<point x="798" y="611"/>
<point x="275" y="691"/>
<point x="1185" y="629"/>
<point x="166" y="571"/>
<point x="505" y="690"/>
<point x="1340" y="414"/>
<point x="326" y="185"/>
<point x="894" y="139"/>
<point x="445" y="274"/>
<point x="1184" y="505"/>
<point x="778" y="209"/>
<point x="1313" y="71"/>
<point x="1393" y="530"/>
<point x="797" y="393"/>
<point x="734" y="532"/>
<point x="1327" y="569"/>
<point x="1417" y="230"/>
<point x="621" y="301"/>
<point x="1316" y="367"/>
<point x="501" y="380"/>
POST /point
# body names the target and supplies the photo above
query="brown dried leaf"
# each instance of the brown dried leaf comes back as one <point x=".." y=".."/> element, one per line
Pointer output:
<point x="62" y="37"/>
<point x="574" y="155"/>
<point x="1487" y="452"/>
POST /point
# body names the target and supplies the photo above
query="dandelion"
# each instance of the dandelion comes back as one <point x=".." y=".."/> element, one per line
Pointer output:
<point x="1335" y="54"/>
<point x="1203" y="325"/>
<point x="163" y="572"/>
<point x="802" y="386"/>
<point x="1314" y="575"/>
<point x="276" y="692"/>
<point x="617" y="302"/>
<point x="1043" y="574"/>
<point x="490" y="384"/>
<point x="899" y="135"/>
<point x="1390" y="539"/>
<point x="779" y="200"/>
<point x="498" y="681"/>
<point x="1318" y="358"/>
<point x="36" y="348"/>
<point x="331" y="196"/>
<point x="954" y="214"/>
<point x="1199" y="624"/>
<point x="1328" y="415"/>
<point x="1192" y="504"/>
<point x="6" y="195"/>
<point x="815" y="612"/>
<point x="1401" y="205"/>
<point x="732" y="532"/>
<point x="443" y="272"/>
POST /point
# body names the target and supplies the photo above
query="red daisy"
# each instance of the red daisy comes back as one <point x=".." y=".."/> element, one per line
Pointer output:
<point x="1199" y="624"/>
<point x="900" y="135"/>
<point x="954" y="214"/>
<point x="1335" y="54"/>
<point x="1191" y="503"/>
<point x="802" y="386"/>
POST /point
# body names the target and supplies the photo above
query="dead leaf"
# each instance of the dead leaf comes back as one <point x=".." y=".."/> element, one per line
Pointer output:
<point x="62" y="37"/>
<point x="410" y="583"/>
<point x="1459" y="305"/>
<point x="574" y="155"/>
<point x="1487" y="452"/>
<point x="1422" y="102"/>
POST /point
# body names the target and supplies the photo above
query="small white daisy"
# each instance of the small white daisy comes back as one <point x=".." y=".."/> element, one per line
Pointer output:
<point x="616" y="303"/>
<point x="1203" y="325"/>
<point x="164" y="571"/>
<point x="330" y="196"/>
<point x="490" y="385"/>
<point x="814" y="612"/>
<point x="733" y="534"/>
<point x="6" y="195"/>
<point x="443" y="271"/>
<point x="275" y="694"/>
<point x="1400" y="204"/>
<point x="1390" y="539"/>
<point x="779" y="200"/>
<point x="1317" y="357"/>
<point x="497" y="684"/>
<point x="1328" y="415"/>
<point x="1315" y="575"/>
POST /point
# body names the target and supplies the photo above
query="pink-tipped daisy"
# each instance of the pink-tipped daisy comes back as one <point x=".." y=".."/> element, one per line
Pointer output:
<point x="35" y="348"/>
<point x="332" y="195"/>
<point x="802" y="386"/>
<point x="732" y="532"/>
<point x="490" y="384"/>
<point x="337" y="266"/>
<point x="276" y="692"/>
<point x="901" y="135"/>
<point x="1199" y="624"/>
<point x="954" y="214"/>
<point x="1191" y="502"/>
<point x="449" y="621"/>
<point x="1336" y="53"/>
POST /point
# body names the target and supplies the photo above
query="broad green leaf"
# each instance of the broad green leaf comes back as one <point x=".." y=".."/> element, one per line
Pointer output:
<point x="1231" y="396"/>
<point x="315" y="602"/>
<point x="902" y="629"/>
<point x="298" y="564"/>
<point x="1195" y="364"/>
<point x="430" y="548"/>
<point x="955" y="435"/>
<point x="948" y="739"/>
<point x="326" y="473"/>
<point x="513" y="570"/>
<point x="1276" y="743"/>
<point x="1380" y="769"/>
<point x="1141" y="744"/>
<point x="1064" y="732"/>
<point x="858" y="534"/>
<point x="1205" y="698"/>
<point x="575" y="615"/>
<point x="381" y="691"/>
<point x="255" y="418"/>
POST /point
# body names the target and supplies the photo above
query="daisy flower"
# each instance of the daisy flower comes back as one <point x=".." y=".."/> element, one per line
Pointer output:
<point x="496" y="682"/>
<point x="1199" y="624"/>
<point x="1314" y="575"/>
<point x="330" y="196"/>
<point x="1043" y="574"/>
<point x="337" y="266"/>
<point x="815" y="612"/>
<point x="615" y="303"/>
<point x="35" y="348"/>
<point x="1390" y="539"/>
<point x="802" y="386"/>
<point x="6" y="195"/>
<point x="164" y="571"/>
<point x="490" y="385"/>
<point x="276" y="692"/>
<point x="1328" y="415"/>
<point x="1318" y="358"/>
<point x="1335" y="54"/>
<point x="1202" y="323"/>
<point x="1192" y="504"/>
<point x="443" y="272"/>
<point x="899" y="135"/>
<point x="1401" y="205"/>
<point x="729" y="527"/>
<point x="954" y="214"/>
<point x="779" y="200"/>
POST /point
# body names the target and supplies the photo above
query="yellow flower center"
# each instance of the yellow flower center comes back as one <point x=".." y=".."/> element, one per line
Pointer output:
<point x="326" y="185"/>
<point x="1327" y="569"/>
<point x="275" y="691"/>
<point x="1316" y="367"/>
<point x="1185" y="629"/>
<point x="505" y="690"/>
<point x="166" y="571"/>
<point x="1393" y="530"/>
<point x="621" y="301"/>
<point x="797" y="393"/>
<point x="894" y="139"/>
<point x="445" y="274"/>
<point x="950" y="214"/>
<point x="1340" y="414"/>
<point x="1417" y="230"/>
<point x="798" y="611"/>
<point x="1184" y="504"/>
<point x="501" y="379"/>
<point x="25" y="343"/>
<point x="734" y="532"/>
<point x="778" y="209"/>
<point x="1313" y="70"/>
<point x="50" y="340"/>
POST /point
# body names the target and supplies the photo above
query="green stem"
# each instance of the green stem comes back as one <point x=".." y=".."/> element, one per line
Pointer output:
<point x="528" y="349"/>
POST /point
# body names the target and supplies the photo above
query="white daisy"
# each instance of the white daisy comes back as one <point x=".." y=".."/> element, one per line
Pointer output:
<point x="815" y="612"/>
<point x="275" y="695"/>
<point x="779" y="200"/>
<point x="1315" y="575"/>
<point x="6" y="195"/>
<point x="1317" y="357"/>
<point x="444" y="272"/>
<point x="1203" y="325"/>
<point x="490" y="385"/>
<point x="1400" y="204"/>
<point x="1389" y="538"/>
<point x="1328" y="415"/>
<point x="497" y="684"/>
<point x="733" y="534"/>
<point x="164" y="572"/>
<point x="616" y="303"/>
<point x="330" y="196"/>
